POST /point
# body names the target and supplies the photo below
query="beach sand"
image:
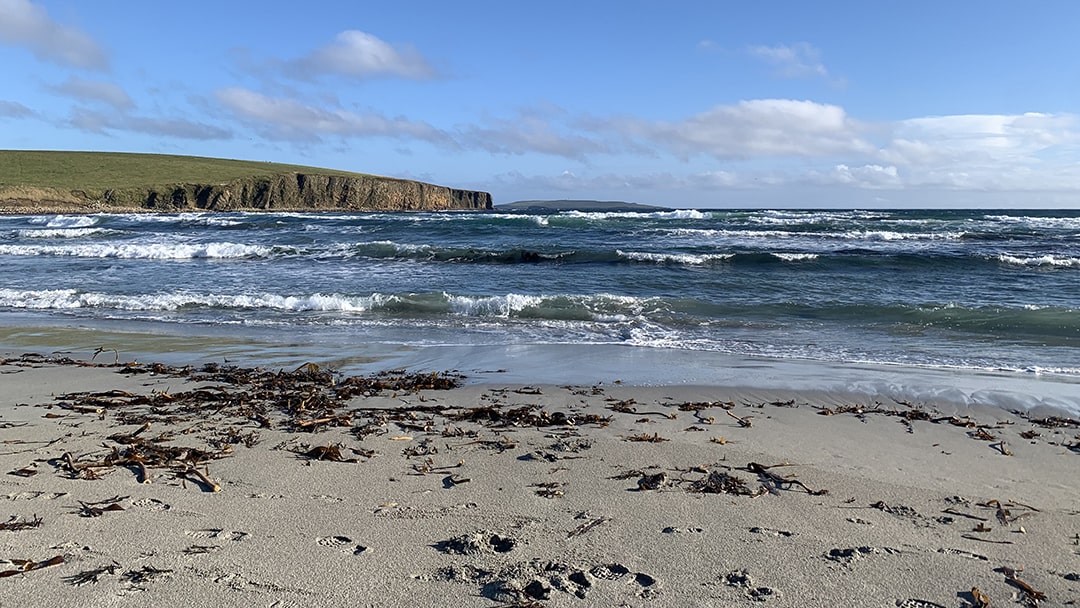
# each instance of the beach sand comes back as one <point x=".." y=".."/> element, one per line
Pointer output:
<point x="518" y="495"/>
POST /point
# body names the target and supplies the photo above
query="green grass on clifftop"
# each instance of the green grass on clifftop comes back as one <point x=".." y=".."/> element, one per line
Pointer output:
<point x="105" y="170"/>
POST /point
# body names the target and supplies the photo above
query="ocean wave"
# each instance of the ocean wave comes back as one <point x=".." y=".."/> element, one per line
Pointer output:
<point x="799" y="217"/>
<point x="60" y="233"/>
<point x="66" y="221"/>
<point x="1056" y="223"/>
<point x="1052" y="261"/>
<point x="677" y="214"/>
<point x="598" y="307"/>
<point x="151" y="251"/>
<point x="65" y="299"/>
<point x="685" y="259"/>
<point x="796" y="257"/>
<point x="890" y="235"/>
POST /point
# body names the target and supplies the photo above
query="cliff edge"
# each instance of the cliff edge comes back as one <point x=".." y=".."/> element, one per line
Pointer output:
<point x="86" y="182"/>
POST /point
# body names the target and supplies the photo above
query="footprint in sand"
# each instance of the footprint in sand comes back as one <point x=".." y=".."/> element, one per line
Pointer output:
<point x="344" y="543"/>
<point x="648" y="585"/>
<point x="150" y="504"/>
<point x="217" y="533"/>
<point x="33" y="495"/>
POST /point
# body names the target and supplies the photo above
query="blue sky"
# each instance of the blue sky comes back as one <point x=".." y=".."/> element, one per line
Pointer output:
<point x="682" y="103"/>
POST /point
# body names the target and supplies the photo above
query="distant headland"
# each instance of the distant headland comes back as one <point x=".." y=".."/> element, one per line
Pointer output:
<point x="577" y="205"/>
<point x="89" y="182"/>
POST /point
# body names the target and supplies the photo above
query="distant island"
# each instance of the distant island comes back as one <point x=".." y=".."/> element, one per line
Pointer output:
<point x="88" y="182"/>
<point x="577" y="205"/>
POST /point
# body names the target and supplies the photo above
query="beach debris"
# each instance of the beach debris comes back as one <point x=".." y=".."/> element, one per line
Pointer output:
<point x="720" y="482"/>
<point x="986" y="540"/>
<point x="201" y="478"/>
<point x="652" y="482"/>
<point x="645" y="437"/>
<point x="1005" y="515"/>
<point x="1003" y="447"/>
<point x="29" y="471"/>
<point x="587" y="526"/>
<point x="16" y="523"/>
<point x="773" y="481"/>
<point x="979" y="599"/>
<point x="953" y="511"/>
<point x="99" y="508"/>
<point x="144" y="575"/>
<point x="200" y="549"/>
<point x="329" y="452"/>
<point x="1033" y="597"/>
<point x="550" y="489"/>
<point x="744" y="421"/>
<point x="23" y="566"/>
<point x="453" y="480"/>
<point x="718" y="440"/>
<point x="92" y="576"/>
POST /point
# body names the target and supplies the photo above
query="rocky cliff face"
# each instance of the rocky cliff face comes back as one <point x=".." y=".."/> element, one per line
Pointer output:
<point x="281" y="192"/>
<point x="312" y="192"/>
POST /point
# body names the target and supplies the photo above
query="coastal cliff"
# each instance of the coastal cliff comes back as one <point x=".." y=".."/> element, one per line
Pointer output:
<point x="87" y="182"/>
<point x="302" y="191"/>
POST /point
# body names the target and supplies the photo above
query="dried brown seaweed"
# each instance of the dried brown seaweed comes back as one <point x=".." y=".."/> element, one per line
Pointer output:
<point x="720" y="482"/>
<point x="27" y="565"/>
<point x="772" y="480"/>
<point x="645" y="437"/>
<point x="16" y="523"/>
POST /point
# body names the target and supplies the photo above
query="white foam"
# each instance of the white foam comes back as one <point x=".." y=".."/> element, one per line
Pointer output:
<point x="796" y="257"/>
<point x="150" y="251"/>
<point x="1042" y="260"/>
<point x="59" y="233"/>
<point x="66" y="221"/>
<point x="488" y="306"/>
<point x="673" y="258"/>
<point x="678" y="214"/>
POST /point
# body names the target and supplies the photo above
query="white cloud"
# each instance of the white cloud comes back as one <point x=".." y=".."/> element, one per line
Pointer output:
<point x="25" y="24"/>
<point x="290" y="119"/>
<point x="358" y="54"/>
<point x="756" y="128"/>
<point x="799" y="60"/>
<point x="102" y="122"/>
<point x="96" y="91"/>
<point x="981" y="136"/>
<point x="865" y="176"/>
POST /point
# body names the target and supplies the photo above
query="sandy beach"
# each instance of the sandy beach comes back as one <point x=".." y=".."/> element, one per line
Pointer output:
<point x="142" y="485"/>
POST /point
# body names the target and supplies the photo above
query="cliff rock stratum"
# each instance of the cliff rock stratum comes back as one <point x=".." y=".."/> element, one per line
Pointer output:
<point x="86" y="182"/>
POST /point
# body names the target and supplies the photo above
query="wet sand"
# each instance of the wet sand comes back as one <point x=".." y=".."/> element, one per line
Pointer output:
<point x="333" y="493"/>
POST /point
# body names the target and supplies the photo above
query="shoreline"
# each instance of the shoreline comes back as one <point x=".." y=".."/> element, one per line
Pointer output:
<point x="1037" y="393"/>
<point x="493" y="493"/>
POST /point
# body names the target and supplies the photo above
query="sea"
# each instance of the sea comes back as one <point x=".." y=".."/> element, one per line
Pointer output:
<point x="969" y="306"/>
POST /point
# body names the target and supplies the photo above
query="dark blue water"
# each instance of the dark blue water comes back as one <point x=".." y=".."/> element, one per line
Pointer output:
<point x="995" y="290"/>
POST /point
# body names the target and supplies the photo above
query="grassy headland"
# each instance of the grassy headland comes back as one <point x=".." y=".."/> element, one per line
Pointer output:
<point x="35" y="180"/>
